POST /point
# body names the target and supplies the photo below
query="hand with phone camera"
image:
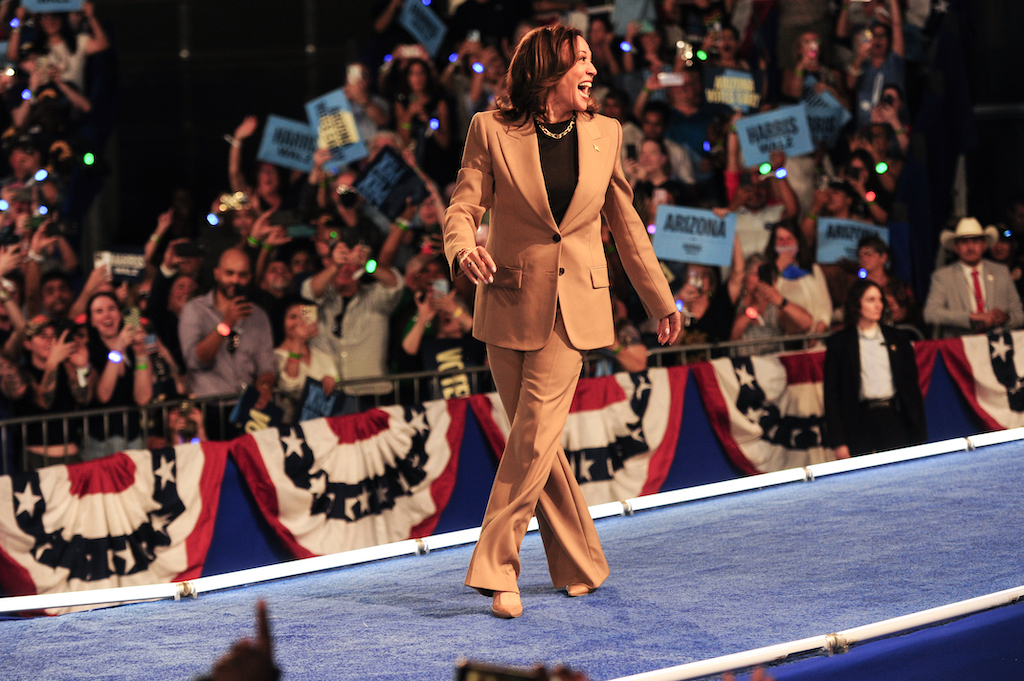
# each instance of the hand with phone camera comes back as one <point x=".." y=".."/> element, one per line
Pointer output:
<point x="310" y="316"/>
<point x="236" y="309"/>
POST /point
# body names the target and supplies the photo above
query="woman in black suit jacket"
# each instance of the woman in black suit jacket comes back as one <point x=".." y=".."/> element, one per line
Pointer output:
<point x="878" y="406"/>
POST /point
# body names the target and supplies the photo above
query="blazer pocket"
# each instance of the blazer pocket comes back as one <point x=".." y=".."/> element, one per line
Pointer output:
<point x="508" y="277"/>
<point x="599" y="277"/>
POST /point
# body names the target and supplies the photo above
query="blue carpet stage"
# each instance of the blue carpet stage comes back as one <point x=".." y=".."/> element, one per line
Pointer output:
<point x="689" y="582"/>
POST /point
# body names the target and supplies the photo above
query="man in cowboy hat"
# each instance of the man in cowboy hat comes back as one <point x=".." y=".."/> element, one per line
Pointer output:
<point x="972" y="295"/>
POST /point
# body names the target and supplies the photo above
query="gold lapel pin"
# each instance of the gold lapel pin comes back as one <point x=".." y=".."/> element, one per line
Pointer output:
<point x="596" y="148"/>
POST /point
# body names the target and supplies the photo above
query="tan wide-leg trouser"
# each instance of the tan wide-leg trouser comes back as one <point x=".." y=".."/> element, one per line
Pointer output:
<point x="536" y="389"/>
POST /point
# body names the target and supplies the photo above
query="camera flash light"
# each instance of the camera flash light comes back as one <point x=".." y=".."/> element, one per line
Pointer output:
<point x="651" y="229"/>
<point x="881" y="167"/>
<point x="115" y="356"/>
<point x="212" y="219"/>
<point x="780" y="173"/>
<point x="764" y="168"/>
<point x="862" y="273"/>
<point x="478" y="67"/>
<point x="625" y="46"/>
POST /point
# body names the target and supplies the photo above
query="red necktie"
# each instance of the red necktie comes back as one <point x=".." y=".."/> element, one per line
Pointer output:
<point x="979" y="299"/>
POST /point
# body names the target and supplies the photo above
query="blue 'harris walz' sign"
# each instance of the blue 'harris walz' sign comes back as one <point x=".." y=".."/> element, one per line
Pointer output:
<point x="784" y="129"/>
<point x="693" y="235"/>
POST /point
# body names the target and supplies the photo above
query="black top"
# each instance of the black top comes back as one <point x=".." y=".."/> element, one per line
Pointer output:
<point x="717" y="320"/>
<point x="560" y="163"/>
<point x="63" y="402"/>
<point x="124" y="394"/>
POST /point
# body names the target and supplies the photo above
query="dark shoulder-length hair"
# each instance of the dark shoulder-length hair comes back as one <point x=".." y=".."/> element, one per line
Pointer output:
<point x="66" y="32"/>
<point x="851" y="308"/>
<point x="95" y="342"/>
<point x="543" y="56"/>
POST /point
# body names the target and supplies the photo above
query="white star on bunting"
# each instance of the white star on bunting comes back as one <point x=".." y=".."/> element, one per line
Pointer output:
<point x="27" y="500"/>
<point x="999" y="348"/>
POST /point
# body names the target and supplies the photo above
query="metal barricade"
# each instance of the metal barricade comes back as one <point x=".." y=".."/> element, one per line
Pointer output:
<point x="153" y="420"/>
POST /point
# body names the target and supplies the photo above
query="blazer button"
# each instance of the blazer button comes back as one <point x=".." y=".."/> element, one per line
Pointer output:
<point x="556" y="238"/>
<point x="561" y="271"/>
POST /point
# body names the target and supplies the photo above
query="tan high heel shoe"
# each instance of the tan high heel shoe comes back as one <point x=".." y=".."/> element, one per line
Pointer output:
<point x="506" y="605"/>
<point x="578" y="590"/>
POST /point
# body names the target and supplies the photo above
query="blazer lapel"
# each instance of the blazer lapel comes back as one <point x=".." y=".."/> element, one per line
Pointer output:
<point x="591" y="164"/>
<point x="522" y="156"/>
<point x="966" y="294"/>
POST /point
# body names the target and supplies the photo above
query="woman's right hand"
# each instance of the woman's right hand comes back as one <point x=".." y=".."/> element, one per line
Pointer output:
<point x="478" y="265"/>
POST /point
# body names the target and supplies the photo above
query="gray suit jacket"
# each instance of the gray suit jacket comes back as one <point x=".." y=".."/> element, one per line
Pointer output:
<point x="949" y="299"/>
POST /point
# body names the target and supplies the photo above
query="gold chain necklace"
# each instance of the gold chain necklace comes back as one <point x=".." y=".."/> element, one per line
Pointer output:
<point x="568" y="129"/>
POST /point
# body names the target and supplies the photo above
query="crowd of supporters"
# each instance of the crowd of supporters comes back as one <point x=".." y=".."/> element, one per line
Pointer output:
<point x="255" y="302"/>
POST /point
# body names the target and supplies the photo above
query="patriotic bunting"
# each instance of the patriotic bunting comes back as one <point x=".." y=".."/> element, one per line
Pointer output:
<point x="137" y="517"/>
<point x="767" y="411"/>
<point x="990" y="374"/>
<point x="621" y="433"/>
<point x="347" y="482"/>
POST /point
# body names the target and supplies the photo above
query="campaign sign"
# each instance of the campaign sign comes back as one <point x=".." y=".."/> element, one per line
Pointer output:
<point x="388" y="181"/>
<point x="127" y="263"/>
<point x="838" y="239"/>
<point x="632" y="10"/>
<point x="732" y="87"/>
<point x="826" y="116"/>
<point x="693" y="235"/>
<point x="785" y="129"/>
<point x="39" y="6"/>
<point x="332" y="121"/>
<point x="423" y="25"/>
<point x="316" y="404"/>
<point x="245" y="415"/>
<point x="287" y="143"/>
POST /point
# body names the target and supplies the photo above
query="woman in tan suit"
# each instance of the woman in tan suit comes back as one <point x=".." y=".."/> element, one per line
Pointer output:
<point x="547" y="169"/>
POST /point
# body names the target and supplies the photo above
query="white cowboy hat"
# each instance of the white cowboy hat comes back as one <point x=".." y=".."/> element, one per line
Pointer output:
<point x="968" y="228"/>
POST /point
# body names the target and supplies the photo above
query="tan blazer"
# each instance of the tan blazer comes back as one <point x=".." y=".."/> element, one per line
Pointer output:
<point x="541" y="263"/>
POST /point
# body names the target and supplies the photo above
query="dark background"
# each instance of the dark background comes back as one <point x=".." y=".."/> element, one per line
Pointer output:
<point x="190" y="70"/>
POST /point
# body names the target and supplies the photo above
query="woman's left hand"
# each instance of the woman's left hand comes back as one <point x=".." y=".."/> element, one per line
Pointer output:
<point x="669" y="328"/>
